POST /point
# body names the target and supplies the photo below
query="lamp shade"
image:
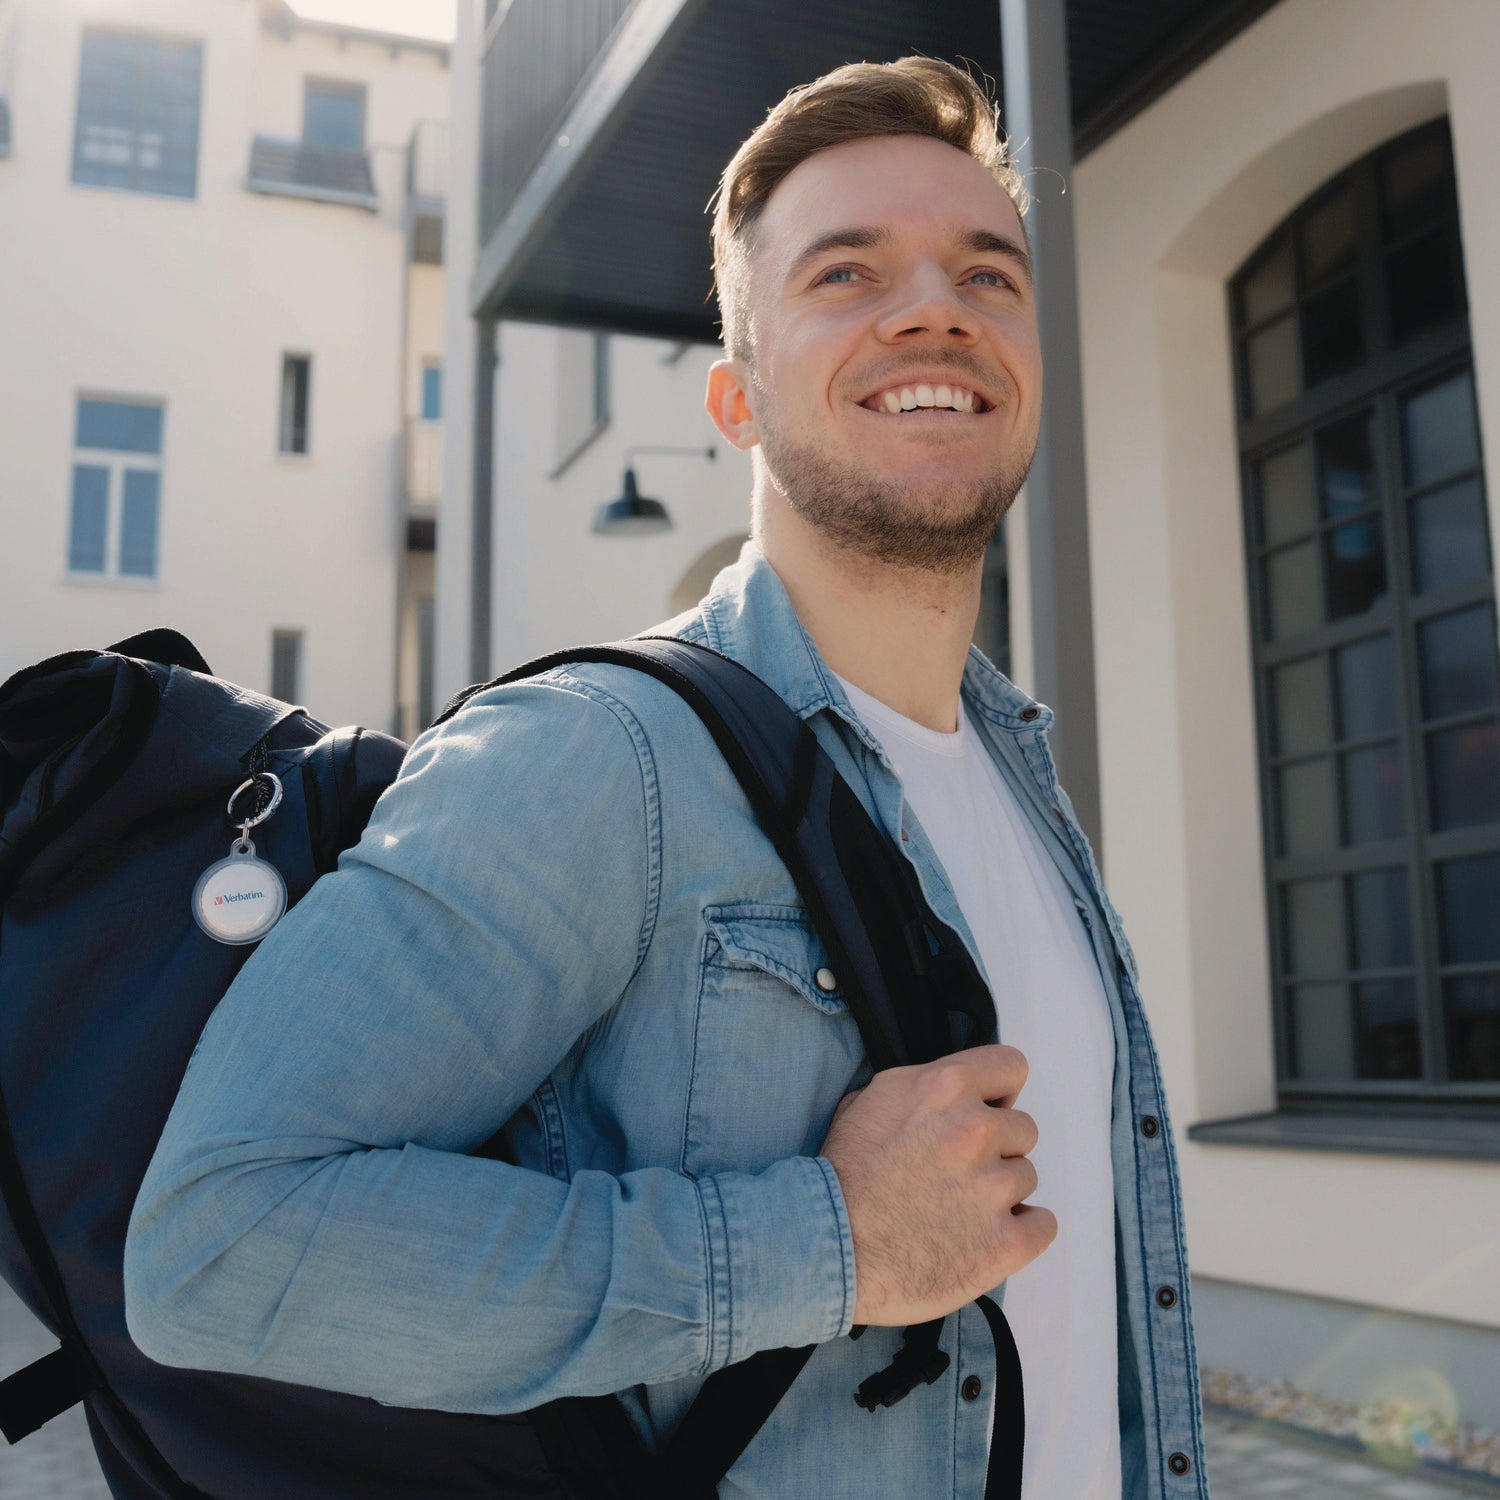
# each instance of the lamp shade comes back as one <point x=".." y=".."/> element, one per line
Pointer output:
<point x="633" y="514"/>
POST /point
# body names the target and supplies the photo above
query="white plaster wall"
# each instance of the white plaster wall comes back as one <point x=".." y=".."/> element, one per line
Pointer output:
<point x="555" y="582"/>
<point x="193" y="302"/>
<point x="1167" y="211"/>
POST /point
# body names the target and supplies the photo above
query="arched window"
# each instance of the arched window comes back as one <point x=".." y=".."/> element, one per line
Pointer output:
<point x="1378" y="685"/>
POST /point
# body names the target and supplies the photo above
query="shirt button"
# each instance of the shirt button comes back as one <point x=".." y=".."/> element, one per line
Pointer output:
<point x="1150" y="1125"/>
<point x="1028" y="714"/>
<point x="972" y="1387"/>
<point x="1179" y="1463"/>
<point x="905" y="837"/>
<point x="826" y="981"/>
<point x="1166" y="1297"/>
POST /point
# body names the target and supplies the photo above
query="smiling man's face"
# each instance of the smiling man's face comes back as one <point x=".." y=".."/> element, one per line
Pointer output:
<point x="894" y="378"/>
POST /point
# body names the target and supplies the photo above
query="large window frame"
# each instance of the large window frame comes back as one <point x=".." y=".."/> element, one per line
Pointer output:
<point x="137" y="118"/>
<point x="114" y="523"/>
<point x="1393" y="365"/>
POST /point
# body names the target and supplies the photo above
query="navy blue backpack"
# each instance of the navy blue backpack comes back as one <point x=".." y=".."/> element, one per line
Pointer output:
<point x="116" y="771"/>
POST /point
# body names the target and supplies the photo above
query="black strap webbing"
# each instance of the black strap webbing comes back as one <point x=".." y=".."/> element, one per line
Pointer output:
<point x="1008" y="1442"/>
<point x="38" y="1392"/>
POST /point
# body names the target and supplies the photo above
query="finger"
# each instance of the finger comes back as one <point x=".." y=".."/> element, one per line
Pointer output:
<point x="1036" y="1225"/>
<point x="1016" y="1179"/>
<point x="996" y="1072"/>
<point x="1015" y="1131"/>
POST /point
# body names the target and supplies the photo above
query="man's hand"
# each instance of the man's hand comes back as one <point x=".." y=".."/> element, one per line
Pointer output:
<point x="932" y="1161"/>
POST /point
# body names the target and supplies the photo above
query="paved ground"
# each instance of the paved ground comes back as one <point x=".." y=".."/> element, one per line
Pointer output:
<point x="1244" y="1461"/>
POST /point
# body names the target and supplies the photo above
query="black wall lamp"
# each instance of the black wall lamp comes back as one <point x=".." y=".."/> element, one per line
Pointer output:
<point x="635" y="514"/>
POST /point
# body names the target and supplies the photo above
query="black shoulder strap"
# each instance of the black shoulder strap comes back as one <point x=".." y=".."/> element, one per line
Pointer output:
<point x="909" y="981"/>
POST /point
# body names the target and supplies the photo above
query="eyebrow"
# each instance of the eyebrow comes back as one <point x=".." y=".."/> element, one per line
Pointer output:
<point x="981" y="241"/>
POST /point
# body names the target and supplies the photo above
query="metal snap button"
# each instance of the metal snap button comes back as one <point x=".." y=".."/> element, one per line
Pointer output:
<point x="1166" y="1297"/>
<point x="1150" y="1125"/>
<point x="1179" y="1463"/>
<point x="971" y="1388"/>
<point x="1031" y="713"/>
<point x="825" y="980"/>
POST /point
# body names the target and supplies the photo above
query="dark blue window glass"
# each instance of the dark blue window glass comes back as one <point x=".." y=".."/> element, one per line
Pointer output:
<point x="334" y="116"/>
<point x="120" y="426"/>
<point x="90" y="516"/>
<point x="432" y="393"/>
<point x="138" y="104"/>
<point x="138" y="523"/>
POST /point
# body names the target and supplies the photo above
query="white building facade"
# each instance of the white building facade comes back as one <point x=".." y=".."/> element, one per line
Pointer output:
<point x="1289" y="358"/>
<point x="221" y="341"/>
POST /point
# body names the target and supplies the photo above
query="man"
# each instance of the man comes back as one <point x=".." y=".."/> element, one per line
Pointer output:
<point x="563" y="921"/>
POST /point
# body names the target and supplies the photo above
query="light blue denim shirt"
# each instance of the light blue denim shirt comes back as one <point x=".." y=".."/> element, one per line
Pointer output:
<point x="563" y="921"/>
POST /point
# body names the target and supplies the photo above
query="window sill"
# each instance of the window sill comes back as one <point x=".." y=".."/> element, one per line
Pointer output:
<point x="112" y="581"/>
<point x="1454" y="1134"/>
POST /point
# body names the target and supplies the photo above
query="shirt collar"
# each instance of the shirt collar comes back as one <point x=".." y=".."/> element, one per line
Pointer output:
<point x="748" y="616"/>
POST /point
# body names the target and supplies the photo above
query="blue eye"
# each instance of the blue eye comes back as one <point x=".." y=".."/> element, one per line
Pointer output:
<point x="836" y="271"/>
<point x="997" y="278"/>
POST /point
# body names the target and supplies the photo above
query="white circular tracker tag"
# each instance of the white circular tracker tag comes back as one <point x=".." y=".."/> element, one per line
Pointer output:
<point x="241" y="898"/>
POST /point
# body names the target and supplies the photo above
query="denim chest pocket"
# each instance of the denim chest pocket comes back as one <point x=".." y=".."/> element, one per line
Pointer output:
<point x="775" y="1047"/>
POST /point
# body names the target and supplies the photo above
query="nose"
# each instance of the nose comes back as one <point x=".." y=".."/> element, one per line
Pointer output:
<point x="927" y="302"/>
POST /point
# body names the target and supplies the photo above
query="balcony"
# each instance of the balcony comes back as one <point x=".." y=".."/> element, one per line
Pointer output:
<point x="427" y="190"/>
<point x="299" y="169"/>
<point x="423" y="486"/>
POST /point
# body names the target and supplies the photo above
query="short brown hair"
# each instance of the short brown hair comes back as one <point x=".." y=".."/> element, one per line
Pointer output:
<point x="914" y="96"/>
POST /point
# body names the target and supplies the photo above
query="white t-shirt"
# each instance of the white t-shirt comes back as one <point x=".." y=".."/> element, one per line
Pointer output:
<point x="1050" y="1003"/>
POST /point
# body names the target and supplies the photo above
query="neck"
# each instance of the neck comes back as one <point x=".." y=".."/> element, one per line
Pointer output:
<point x="901" y="634"/>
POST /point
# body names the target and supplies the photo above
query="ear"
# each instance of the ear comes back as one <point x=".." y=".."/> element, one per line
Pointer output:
<point x="727" y="402"/>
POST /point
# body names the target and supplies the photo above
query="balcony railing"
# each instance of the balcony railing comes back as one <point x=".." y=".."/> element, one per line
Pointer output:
<point x="537" y="55"/>
<point x="300" y="169"/>
<point x="427" y="189"/>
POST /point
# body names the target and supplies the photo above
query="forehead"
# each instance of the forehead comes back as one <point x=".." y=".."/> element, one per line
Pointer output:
<point x="905" y="184"/>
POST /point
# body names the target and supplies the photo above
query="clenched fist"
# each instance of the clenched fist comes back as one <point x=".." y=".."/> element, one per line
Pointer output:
<point x="932" y="1162"/>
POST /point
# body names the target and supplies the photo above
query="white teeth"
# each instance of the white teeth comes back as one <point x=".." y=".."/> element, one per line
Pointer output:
<point x="892" y="401"/>
<point x="924" y="395"/>
<point x="943" y="396"/>
<point x="908" y="398"/>
<point x="964" y="401"/>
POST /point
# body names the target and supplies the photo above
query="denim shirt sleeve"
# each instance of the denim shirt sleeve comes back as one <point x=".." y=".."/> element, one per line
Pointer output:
<point x="310" y="1214"/>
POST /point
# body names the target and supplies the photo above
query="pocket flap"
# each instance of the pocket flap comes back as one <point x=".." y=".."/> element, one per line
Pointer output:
<point x="777" y="940"/>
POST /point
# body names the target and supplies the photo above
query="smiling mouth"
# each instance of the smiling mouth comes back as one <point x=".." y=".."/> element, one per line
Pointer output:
<point x="904" y="400"/>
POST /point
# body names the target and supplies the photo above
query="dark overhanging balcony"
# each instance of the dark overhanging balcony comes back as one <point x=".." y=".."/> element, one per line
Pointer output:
<point x="605" y="125"/>
<point x="292" y="168"/>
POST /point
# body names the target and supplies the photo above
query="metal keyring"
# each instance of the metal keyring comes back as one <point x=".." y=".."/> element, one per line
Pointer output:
<point x="248" y="823"/>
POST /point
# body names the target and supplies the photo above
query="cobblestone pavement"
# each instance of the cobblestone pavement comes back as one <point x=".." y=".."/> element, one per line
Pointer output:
<point x="1245" y="1460"/>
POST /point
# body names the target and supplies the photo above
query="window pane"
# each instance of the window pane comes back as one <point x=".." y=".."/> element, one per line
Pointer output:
<point x="334" y="116"/>
<point x="121" y="426"/>
<point x="1321" y="1031"/>
<point x="1328" y="237"/>
<point x="137" y="121"/>
<point x="1382" y="919"/>
<point x="1293" y="600"/>
<point x="1314" y="916"/>
<point x="1268" y="288"/>
<point x="1388" y="1039"/>
<point x="138" y="523"/>
<point x="1372" y="794"/>
<point x="1365" y="673"/>
<point x="1458" y="657"/>
<point x="1449" y="538"/>
<point x="1271" y="359"/>
<point x="1333" y="338"/>
<point x="286" y="665"/>
<point x="1309" y="808"/>
<point x="1473" y="1006"/>
<point x="1415" y="185"/>
<point x="1438" y="435"/>
<point x="1299" y="695"/>
<point x="432" y="393"/>
<point x="1354" y="560"/>
<point x="90" y="512"/>
<point x="1468" y="892"/>
<point x="1286" y="495"/>
<point x="1422" y="285"/>
<point x="296" y="383"/>
<point x="1463" y="768"/>
<point x="1346" y="466"/>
